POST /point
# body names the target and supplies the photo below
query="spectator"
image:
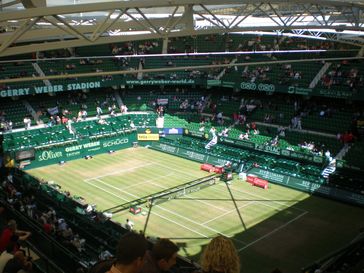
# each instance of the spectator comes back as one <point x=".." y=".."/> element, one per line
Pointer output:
<point x="98" y="111"/>
<point x="78" y="243"/>
<point x="105" y="255"/>
<point x="123" y="109"/>
<point x="244" y="136"/>
<point x="27" y="122"/>
<point x="219" y="118"/>
<point x="281" y="131"/>
<point x="6" y="256"/>
<point x="129" y="225"/>
<point x="161" y="258"/>
<point x="130" y="253"/>
<point x="220" y="255"/>
<point x="9" y="231"/>
<point x="299" y="124"/>
<point x="19" y="263"/>
<point x="224" y="132"/>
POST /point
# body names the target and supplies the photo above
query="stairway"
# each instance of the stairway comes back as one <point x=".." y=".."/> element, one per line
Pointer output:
<point x="222" y="73"/>
<point x="140" y="74"/>
<point x="343" y="151"/>
<point x="319" y="75"/>
<point x="331" y="168"/>
<point x="41" y="73"/>
<point x="118" y="99"/>
<point x="32" y="112"/>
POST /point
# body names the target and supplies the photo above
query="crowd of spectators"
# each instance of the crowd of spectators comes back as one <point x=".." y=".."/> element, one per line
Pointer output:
<point x="192" y="105"/>
<point x="130" y="48"/>
<point x="289" y="76"/>
<point x="24" y="201"/>
<point x="71" y="67"/>
<point x="13" y="258"/>
<point x="299" y="111"/>
<point x="61" y="113"/>
<point x="341" y="74"/>
<point x="256" y="74"/>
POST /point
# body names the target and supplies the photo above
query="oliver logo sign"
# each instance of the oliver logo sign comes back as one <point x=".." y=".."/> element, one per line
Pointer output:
<point x="47" y="155"/>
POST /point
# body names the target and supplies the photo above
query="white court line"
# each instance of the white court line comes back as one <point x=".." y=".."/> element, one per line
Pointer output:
<point x="272" y="201"/>
<point x="148" y="181"/>
<point x="207" y="203"/>
<point x="117" y="172"/>
<point x="199" y="224"/>
<point x="116" y="188"/>
<point x="176" y="170"/>
<point x="92" y="184"/>
<point x="273" y="231"/>
<point x="229" y="211"/>
<point x="109" y="192"/>
<point x="178" y="224"/>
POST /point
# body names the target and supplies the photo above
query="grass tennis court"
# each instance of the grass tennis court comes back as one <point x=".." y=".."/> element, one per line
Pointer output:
<point x="278" y="227"/>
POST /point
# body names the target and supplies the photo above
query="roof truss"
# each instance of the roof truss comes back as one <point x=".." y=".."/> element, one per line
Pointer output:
<point x="111" y="22"/>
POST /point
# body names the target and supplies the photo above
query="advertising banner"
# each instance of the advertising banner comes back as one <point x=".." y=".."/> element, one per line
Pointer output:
<point x="83" y="148"/>
<point x="173" y="131"/>
<point x="148" y="134"/>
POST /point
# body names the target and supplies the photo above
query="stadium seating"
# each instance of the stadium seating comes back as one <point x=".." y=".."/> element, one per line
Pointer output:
<point x="265" y="161"/>
<point x="59" y="135"/>
<point x="354" y="156"/>
<point x="15" y="111"/>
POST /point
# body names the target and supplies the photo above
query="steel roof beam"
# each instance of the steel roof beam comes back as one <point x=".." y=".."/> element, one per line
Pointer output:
<point x="116" y="39"/>
<point x="285" y="15"/>
<point x="9" y="4"/>
<point x="148" y="21"/>
<point x="19" y="32"/>
<point x="48" y="11"/>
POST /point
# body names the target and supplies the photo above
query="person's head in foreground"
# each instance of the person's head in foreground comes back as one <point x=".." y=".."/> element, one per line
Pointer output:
<point x="165" y="254"/>
<point x="220" y="256"/>
<point x="130" y="253"/>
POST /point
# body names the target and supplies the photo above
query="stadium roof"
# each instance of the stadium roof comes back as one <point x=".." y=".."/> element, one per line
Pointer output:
<point x="74" y="23"/>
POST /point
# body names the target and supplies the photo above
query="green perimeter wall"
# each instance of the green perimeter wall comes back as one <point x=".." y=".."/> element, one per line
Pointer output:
<point x="83" y="148"/>
<point x="308" y="186"/>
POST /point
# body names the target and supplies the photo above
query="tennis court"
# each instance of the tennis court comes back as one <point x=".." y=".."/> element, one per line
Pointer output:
<point x="265" y="225"/>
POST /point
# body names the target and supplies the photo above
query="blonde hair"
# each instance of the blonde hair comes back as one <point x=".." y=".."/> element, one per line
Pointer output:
<point x="220" y="255"/>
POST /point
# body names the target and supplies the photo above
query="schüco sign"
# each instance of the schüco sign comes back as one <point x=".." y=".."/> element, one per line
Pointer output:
<point x="47" y="155"/>
<point x="115" y="142"/>
<point x="260" y="87"/>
